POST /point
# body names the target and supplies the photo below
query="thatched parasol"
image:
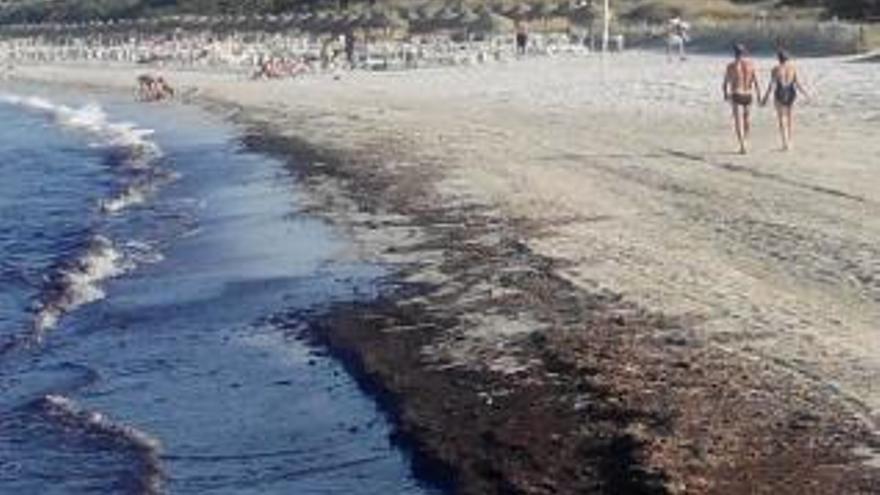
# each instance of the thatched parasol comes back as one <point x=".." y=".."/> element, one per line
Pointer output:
<point x="413" y="16"/>
<point x="564" y="9"/>
<point x="322" y="21"/>
<point x="385" y="19"/>
<point x="430" y="11"/>
<point x="489" y="22"/>
<point x="544" y="10"/>
<point x="582" y="14"/>
<point x="519" y="12"/>
<point x="467" y="17"/>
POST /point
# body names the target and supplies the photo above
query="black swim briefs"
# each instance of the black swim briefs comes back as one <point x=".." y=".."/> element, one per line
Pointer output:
<point x="741" y="99"/>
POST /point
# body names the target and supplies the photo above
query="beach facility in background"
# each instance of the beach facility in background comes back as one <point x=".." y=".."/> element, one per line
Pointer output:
<point x="411" y="35"/>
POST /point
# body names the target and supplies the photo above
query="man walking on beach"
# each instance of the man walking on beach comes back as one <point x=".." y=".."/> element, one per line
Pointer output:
<point x="522" y="38"/>
<point x="739" y="87"/>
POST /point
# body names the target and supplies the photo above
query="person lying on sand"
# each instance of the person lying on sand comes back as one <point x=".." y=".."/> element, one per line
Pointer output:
<point x="268" y="70"/>
<point x="153" y="88"/>
<point x="145" y="85"/>
<point x="739" y="87"/>
<point x="785" y="86"/>
<point x="164" y="90"/>
<point x="275" y="69"/>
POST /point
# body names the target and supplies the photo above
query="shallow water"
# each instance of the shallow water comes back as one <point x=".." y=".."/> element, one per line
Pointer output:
<point x="140" y="264"/>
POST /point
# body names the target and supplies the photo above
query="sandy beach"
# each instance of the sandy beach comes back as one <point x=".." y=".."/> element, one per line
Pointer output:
<point x="581" y="251"/>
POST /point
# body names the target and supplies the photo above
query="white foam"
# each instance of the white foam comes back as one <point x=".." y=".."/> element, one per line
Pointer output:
<point x="147" y="447"/>
<point x="124" y="137"/>
<point x="133" y="194"/>
<point x="78" y="283"/>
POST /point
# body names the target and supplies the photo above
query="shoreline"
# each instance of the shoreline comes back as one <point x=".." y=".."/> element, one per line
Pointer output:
<point x="452" y="418"/>
<point x="502" y="444"/>
<point x="620" y="397"/>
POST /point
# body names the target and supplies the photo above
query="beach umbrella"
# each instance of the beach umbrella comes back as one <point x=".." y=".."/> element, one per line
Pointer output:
<point x="489" y="22"/>
<point x="564" y="9"/>
<point x="323" y="21"/>
<point x="302" y="19"/>
<point x="386" y="20"/>
<point x="339" y="22"/>
<point x="582" y="14"/>
<point x="520" y="11"/>
<point x="445" y="18"/>
<point x="544" y="10"/>
<point x="430" y="11"/>
<point x="413" y="16"/>
<point x="359" y="20"/>
<point x="467" y="17"/>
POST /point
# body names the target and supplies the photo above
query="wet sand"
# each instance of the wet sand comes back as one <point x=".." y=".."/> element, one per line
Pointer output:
<point x="595" y="294"/>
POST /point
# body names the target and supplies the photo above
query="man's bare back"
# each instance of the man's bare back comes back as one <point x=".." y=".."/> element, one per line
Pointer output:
<point x="740" y="79"/>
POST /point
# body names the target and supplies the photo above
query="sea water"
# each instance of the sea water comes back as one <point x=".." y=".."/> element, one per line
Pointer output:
<point x="142" y="252"/>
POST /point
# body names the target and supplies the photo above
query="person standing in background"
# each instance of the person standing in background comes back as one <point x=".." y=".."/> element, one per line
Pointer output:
<point x="522" y="38"/>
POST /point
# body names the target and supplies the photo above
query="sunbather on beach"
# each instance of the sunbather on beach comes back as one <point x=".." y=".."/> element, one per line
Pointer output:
<point x="144" y="85"/>
<point x="740" y="87"/>
<point x="164" y="90"/>
<point x="785" y="86"/>
<point x="268" y="70"/>
<point x="153" y="88"/>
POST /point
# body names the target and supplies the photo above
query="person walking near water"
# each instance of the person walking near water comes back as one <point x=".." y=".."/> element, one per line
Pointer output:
<point x="349" y="49"/>
<point x="785" y="86"/>
<point x="740" y="87"/>
<point x="676" y="38"/>
<point x="522" y="38"/>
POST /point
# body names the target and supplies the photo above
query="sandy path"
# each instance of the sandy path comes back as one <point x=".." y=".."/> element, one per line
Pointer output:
<point x="627" y="166"/>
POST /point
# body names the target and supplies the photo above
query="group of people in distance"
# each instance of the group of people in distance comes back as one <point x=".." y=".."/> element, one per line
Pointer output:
<point x="153" y="88"/>
<point x="275" y="68"/>
<point x="331" y="49"/>
<point x="741" y="88"/>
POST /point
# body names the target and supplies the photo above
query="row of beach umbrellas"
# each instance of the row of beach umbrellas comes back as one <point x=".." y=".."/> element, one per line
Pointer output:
<point x="427" y="17"/>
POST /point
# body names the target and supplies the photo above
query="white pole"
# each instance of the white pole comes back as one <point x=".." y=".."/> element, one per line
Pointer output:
<point x="606" y="21"/>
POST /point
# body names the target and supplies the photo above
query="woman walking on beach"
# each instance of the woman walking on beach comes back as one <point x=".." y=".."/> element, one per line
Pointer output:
<point x="740" y="82"/>
<point x="785" y="86"/>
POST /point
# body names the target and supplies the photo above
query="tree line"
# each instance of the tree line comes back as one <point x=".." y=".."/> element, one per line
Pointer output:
<point x="35" y="11"/>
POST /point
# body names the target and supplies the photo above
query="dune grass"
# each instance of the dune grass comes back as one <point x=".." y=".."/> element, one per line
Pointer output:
<point x="802" y="37"/>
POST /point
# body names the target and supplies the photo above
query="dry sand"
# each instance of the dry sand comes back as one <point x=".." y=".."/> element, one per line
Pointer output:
<point x="625" y="170"/>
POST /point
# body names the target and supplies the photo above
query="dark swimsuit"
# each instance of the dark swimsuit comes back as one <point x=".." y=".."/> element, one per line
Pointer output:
<point x="743" y="99"/>
<point x="785" y="94"/>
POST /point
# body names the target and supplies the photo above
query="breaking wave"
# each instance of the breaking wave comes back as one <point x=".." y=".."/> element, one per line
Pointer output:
<point x="147" y="449"/>
<point x="127" y="146"/>
<point x="125" y="140"/>
<point x="133" y="158"/>
<point x="77" y="282"/>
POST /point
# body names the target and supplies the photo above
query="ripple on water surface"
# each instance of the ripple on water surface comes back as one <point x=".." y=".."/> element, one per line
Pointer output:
<point x="171" y="383"/>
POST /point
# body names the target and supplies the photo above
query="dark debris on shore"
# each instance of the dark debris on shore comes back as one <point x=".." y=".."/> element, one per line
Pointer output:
<point x="613" y="400"/>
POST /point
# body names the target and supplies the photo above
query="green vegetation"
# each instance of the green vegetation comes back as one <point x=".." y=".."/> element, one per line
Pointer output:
<point x="33" y="11"/>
